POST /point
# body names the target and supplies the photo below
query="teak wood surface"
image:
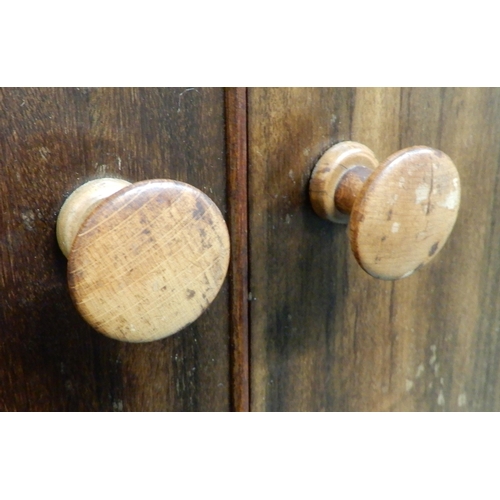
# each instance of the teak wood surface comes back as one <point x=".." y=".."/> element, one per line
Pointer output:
<point x="324" y="334"/>
<point x="52" y="141"/>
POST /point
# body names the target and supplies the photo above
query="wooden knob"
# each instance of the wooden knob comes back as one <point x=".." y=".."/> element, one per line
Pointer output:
<point x="400" y="212"/>
<point x="144" y="259"/>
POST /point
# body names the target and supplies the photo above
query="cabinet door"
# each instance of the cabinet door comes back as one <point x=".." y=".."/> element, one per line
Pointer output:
<point x="325" y="335"/>
<point x="52" y="141"/>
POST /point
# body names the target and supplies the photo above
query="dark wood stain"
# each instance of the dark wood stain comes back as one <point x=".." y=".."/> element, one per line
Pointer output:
<point x="325" y="335"/>
<point x="52" y="141"/>
<point x="199" y="211"/>
<point x="433" y="249"/>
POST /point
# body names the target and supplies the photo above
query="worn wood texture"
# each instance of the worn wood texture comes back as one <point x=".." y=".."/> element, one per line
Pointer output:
<point x="237" y="177"/>
<point x="52" y="141"/>
<point x="324" y="334"/>
<point x="404" y="212"/>
<point x="148" y="260"/>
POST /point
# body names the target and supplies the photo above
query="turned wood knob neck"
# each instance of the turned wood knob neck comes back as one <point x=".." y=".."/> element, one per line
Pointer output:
<point x="349" y="187"/>
<point x="145" y="259"/>
<point x="400" y="212"/>
<point x="79" y="205"/>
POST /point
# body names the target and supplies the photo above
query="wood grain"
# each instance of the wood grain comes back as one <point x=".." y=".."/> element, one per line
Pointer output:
<point x="237" y="178"/>
<point x="52" y="141"/>
<point x="148" y="260"/>
<point x="326" y="336"/>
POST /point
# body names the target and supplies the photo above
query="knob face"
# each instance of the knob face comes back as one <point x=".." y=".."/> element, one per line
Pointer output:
<point x="148" y="260"/>
<point x="405" y="212"/>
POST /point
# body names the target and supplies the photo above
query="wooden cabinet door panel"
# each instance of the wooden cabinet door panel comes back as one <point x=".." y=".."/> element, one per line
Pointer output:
<point x="325" y="335"/>
<point x="52" y="141"/>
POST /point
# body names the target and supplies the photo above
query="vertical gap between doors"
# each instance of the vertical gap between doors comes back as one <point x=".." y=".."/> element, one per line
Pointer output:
<point x="237" y="202"/>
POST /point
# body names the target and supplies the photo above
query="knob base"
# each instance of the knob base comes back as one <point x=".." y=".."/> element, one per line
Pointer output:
<point x="328" y="173"/>
<point x="79" y="205"/>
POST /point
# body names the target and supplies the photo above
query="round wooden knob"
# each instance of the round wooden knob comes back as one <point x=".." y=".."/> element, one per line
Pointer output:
<point x="144" y="259"/>
<point x="400" y="212"/>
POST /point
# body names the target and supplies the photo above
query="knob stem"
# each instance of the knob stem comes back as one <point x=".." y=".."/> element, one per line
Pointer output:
<point x="338" y="178"/>
<point x="349" y="187"/>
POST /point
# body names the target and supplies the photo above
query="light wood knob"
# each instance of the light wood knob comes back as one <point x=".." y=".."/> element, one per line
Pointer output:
<point x="400" y="212"/>
<point x="144" y="259"/>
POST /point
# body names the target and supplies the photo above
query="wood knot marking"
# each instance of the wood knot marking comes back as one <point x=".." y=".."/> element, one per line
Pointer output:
<point x="199" y="211"/>
<point x="433" y="249"/>
<point x="190" y="294"/>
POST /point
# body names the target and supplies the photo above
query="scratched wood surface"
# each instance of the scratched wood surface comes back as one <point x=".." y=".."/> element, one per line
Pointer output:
<point x="324" y="334"/>
<point x="51" y="141"/>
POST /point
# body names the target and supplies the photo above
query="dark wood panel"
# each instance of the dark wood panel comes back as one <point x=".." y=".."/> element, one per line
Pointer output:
<point x="325" y="335"/>
<point x="51" y="141"/>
